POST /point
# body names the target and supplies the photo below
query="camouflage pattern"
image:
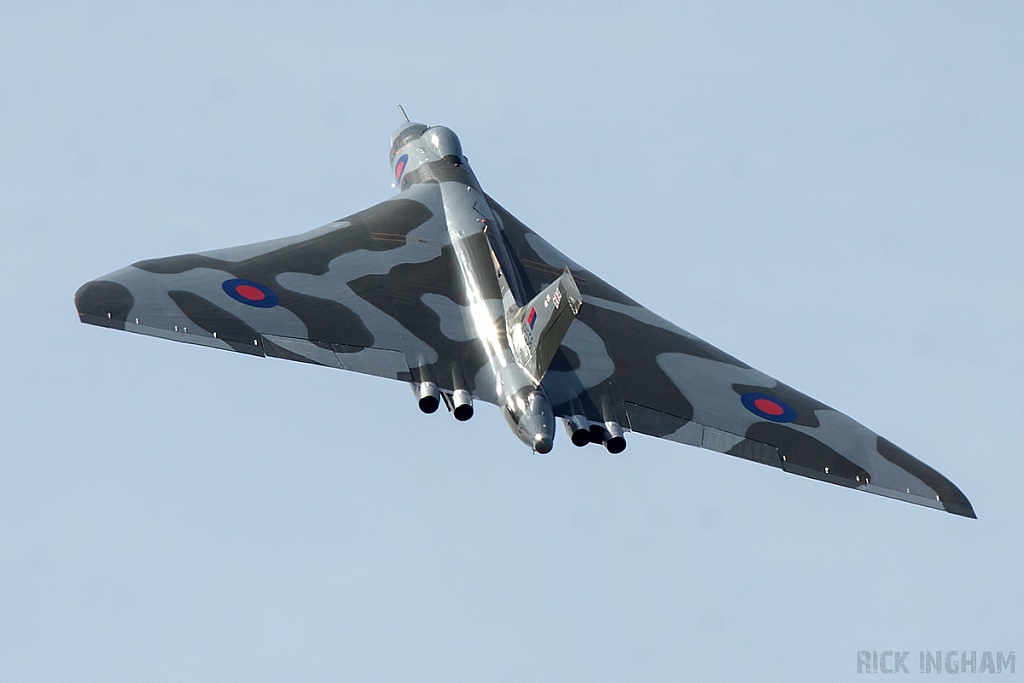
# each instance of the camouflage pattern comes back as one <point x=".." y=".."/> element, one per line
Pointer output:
<point x="435" y="286"/>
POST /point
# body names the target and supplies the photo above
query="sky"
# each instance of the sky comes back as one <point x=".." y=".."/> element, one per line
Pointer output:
<point x="831" y="192"/>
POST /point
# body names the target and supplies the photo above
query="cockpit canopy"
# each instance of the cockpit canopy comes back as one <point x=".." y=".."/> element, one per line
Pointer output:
<point x="404" y="134"/>
<point x="441" y="141"/>
<point x="413" y="145"/>
<point x="445" y="143"/>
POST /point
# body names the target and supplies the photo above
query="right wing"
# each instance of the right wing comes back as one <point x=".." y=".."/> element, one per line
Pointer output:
<point x="621" y="361"/>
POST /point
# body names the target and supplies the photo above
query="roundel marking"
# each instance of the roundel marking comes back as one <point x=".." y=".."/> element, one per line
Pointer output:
<point x="400" y="166"/>
<point x="768" y="407"/>
<point x="250" y="293"/>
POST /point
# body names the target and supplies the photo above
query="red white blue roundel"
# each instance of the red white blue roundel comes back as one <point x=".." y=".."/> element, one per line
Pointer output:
<point x="400" y="166"/>
<point x="250" y="293"/>
<point x="768" y="407"/>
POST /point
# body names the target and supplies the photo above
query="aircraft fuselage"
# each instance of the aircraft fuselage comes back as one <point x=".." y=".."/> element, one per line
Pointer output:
<point x="487" y="279"/>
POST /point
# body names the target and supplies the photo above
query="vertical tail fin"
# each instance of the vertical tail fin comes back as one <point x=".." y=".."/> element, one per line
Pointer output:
<point x="535" y="330"/>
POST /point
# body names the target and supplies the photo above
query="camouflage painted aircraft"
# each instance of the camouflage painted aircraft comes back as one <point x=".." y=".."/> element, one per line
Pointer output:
<point x="443" y="288"/>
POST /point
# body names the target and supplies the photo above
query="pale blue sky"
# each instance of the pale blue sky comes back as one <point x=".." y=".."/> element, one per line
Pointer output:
<point x="832" y="193"/>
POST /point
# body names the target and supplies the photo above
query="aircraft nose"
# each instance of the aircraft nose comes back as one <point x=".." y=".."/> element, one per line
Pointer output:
<point x="543" y="443"/>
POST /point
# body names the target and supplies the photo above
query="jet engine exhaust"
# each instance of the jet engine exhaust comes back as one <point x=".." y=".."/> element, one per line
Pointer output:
<point x="610" y="434"/>
<point x="578" y="430"/>
<point x="615" y="441"/>
<point x="429" y="398"/>
<point x="462" y="401"/>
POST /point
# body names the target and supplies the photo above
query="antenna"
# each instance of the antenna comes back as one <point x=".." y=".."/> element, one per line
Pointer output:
<point x="404" y="115"/>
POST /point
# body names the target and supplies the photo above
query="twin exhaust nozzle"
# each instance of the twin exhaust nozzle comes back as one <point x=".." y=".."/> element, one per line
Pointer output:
<point x="582" y="432"/>
<point x="429" y="399"/>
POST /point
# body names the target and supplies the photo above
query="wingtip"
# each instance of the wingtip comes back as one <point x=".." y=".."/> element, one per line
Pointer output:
<point x="104" y="303"/>
<point x="963" y="510"/>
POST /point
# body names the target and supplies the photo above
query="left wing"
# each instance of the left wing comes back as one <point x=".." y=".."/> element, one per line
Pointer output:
<point x="374" y="292"/>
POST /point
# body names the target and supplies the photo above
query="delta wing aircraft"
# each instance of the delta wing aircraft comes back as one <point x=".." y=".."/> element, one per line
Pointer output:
<point x="444" y="289"/>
